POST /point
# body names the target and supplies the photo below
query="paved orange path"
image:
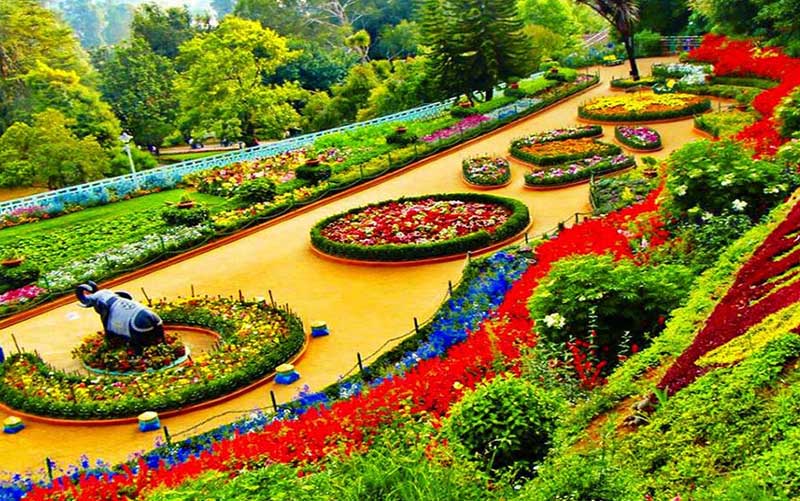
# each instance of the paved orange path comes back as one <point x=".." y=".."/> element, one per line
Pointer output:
<point x="364" y="306"/>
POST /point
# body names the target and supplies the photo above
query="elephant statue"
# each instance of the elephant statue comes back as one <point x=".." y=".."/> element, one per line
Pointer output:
<point x="122" y="316"/>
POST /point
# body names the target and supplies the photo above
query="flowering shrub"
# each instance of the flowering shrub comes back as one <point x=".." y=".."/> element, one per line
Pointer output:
<point x="613" y="193"/>
<point x="486" y="171"/>
<point x="708" y="179"/>
<point x="20" y="295"/>
<point x="639" y="138"/>
<point x="579" y="170"/>
<point x="256" y="339"/>
<point x="690" y="74"/>
<point x="594" y="308"/>
<point x="426" y="226"/>
<point x="643" y="106"/>
<point x="22" y="215"/>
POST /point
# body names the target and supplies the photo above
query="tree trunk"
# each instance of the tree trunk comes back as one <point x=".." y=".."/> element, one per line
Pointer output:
<point x="250" y="134"/>
<point x="629" y="49"/>
<point x="489" y="93"/>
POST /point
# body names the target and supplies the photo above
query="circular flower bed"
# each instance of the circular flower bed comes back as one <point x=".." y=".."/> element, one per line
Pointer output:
<point x="254" y="339"/>
<point x="639" y="138"/>
<point x="420" y="227"/>
<point x="578" y="171"/>
<point x="565" y="150"/>
<point x="486" y="171"/>
<point x="108" y="354"/>
<point x="643" y="106"/>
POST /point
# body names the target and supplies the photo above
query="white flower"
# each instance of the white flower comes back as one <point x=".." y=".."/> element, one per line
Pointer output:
<point x="739" y="205"/>
<point x="727" y="180"/>
<point x="555" y="320"/>
<point x="681" y="190"/>
<point x="707" y="216"/>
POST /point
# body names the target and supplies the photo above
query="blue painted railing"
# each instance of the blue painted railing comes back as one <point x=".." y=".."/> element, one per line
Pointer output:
<point x="170" y="175"/>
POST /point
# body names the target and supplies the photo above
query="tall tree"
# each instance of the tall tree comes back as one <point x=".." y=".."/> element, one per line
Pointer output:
<point x="84" y="17"/>
<point x="317" y="67"/>
<point x="138" y="84"/>
<point x="48" y="153"/>
<point x="622" y="15"/>
<point x="29" y="34"/>
<point x="223" y="89"/>
<point x="475" y="43"/>
<point x="164" y="30"/>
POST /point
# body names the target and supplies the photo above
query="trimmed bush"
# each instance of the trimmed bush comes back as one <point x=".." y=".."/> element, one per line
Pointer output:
<point x="313" y="173"/>
<point x="188" y="216"/>
<point x="518" y="221"/>
<point x="403" y="139"/>
<point x="18" y="276"/>
<point x="463" y="112"/>
<point x="505" y="422"/>
<point x="256" y="191"/>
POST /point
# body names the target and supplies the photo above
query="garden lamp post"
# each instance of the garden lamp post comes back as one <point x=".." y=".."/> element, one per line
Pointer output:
<point x="126" y="145"/>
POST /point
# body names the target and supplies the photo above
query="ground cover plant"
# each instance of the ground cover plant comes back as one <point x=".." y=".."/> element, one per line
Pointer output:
<point x="643" y="106"/>
<point x="420" y="227"/>
<point x="256" y="338"/>
<point x="724" y="123"/>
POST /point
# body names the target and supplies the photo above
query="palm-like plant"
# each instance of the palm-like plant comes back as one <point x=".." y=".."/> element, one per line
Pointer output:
<point x="621" y="14"/>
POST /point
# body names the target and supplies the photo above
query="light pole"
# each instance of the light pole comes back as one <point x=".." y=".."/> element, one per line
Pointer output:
<point x="126" y="145"/>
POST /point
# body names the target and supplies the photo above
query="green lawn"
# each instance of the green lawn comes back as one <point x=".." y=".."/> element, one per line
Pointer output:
<point x="112" y="211"/>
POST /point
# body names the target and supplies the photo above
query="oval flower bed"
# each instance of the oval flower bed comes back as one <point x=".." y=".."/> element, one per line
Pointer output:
<point x="102" y="354"/>
<point x="421" y="227"/>
<point x="643" y="106"/>
<point x="579" y="171"/>
<point x="638" y="138"/>
<point x="561" y="151"/>
<point x="486" y="171"/>
<point x="255" y="339"/>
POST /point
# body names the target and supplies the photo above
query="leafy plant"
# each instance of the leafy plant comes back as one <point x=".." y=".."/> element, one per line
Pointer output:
<point x="18" y="276"/>
<point x="505" y="422"/>
<point x="256" y="190"/>
<point x="185" y="216"/>
<point x="313" y="173"/>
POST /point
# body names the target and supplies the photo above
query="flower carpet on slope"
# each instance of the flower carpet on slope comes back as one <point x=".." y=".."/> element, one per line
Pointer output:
<point x="431" y="386"/>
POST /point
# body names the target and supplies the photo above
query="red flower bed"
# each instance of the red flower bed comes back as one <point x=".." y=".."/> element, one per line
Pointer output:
<point x="752" y="298"/>
<point x="429" y="387"/>
<point x="742" y="58"/>
<point x="416" y="222"/>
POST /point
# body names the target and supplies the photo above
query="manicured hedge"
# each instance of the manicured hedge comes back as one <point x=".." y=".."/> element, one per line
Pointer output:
<point x="629" y="83"/>
<point x="602" y="168"/>
<point x="601" y="149"/>
<point x="517" y="222"/>
<point x="685" y="111"/>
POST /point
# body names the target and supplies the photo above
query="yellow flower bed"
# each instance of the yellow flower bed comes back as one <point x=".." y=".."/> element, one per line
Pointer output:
<point x="644" y="106"/>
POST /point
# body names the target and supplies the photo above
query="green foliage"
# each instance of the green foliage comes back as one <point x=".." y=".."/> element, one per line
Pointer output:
<point x="507" y="422"/>
<point x="316" y="68"/>
<point x="703" y="241"/>
<point x="667" y="17"/>
<point x="138" y="84"/>
<point x="120" y="164"/>
<point x="613" y="193"/>
<point x="15" y="277"/>
<point x="707" y="179"/>
<point x="163" y="29"/>
<point x="49" y="154"/>
<point x="610" y="305"/>
<point x="401" y="139"/>
<point x="788" y="113"/>
<point x="519" y="220"/>
<point x="475" y="45"/>
<point x="223" y="90"/>
<point x="648" y="43"/>
<point x="408" y="85"/>
<point x="185" y="216"/>
<point x="724" y="123"/>
<point x="313" y="173"/>
<point x="256" y="190"/>
<point x="399" y="41"/>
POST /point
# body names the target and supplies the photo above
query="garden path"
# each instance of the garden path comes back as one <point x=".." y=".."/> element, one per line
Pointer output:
<point x="364" y="306"/>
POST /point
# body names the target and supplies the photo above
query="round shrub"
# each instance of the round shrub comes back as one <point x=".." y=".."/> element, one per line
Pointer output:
<point x="18" y="276"/>
<point x="313" y="173"/>
<point x="185" y="216"/>
<point x="403" y="139"/>
<point x="505" y="422"/>
<point x="709" y="178"/>
<point x="609" y="304"/>
<point x="256" y="190"/>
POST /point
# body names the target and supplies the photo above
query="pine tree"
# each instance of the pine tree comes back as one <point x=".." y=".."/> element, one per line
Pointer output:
<point x="474" y="44"/>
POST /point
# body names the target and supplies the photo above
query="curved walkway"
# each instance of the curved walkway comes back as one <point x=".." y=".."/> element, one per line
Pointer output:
<point x="364" y="306"/>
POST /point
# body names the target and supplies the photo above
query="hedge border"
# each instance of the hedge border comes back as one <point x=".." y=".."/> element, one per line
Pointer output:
<point x="581" y="177"/>
<point x="516" y="223"/>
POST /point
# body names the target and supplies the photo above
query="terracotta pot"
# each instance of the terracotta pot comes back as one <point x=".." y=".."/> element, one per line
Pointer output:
<point x="513" y="85"/>
<point x="465" y="104"/>
<point x="401" y="130"/>
<point x="186" y="205"/>
<point x="650" y="173"/>
<point x="312" y="162"/>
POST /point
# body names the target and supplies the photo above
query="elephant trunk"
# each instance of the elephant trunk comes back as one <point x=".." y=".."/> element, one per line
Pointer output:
<point x="80" y="293"/>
